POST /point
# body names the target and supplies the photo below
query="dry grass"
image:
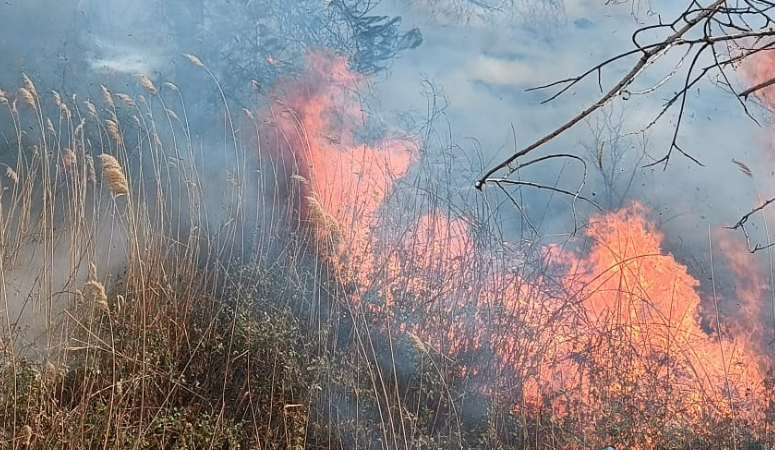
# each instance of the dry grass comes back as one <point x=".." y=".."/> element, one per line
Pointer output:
<point x="204" y="338"/>
<point x="114" y="175"/>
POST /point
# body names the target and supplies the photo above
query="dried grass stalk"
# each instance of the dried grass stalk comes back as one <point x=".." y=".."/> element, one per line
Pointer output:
<point x="114" y="175"/>
<point x="3" y="97"/>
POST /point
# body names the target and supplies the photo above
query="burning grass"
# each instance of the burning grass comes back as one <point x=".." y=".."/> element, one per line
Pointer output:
<point x="305" y="313"/>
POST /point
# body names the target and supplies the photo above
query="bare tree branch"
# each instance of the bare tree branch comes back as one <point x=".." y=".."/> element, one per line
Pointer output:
<point x="722" y="22"/>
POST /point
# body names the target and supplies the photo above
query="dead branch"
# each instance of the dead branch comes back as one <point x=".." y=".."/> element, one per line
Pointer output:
<point x="721" y="22"/>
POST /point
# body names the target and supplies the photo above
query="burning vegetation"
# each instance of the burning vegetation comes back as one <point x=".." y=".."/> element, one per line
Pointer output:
<point x="317" y="289"/>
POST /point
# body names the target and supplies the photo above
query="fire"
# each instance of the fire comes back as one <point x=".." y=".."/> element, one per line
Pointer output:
<point x="644" y="305"/>
<point x="620" y="324"/>
<point x="344" y="181"/>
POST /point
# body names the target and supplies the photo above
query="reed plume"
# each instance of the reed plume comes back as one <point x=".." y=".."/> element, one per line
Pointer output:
<point x="27" y="97"/>
<point x="10" y="173"/>
<point x="147" y="83"/>
<point x="114" y="175"/>
<point x="91" y="174"/>
<point x="194" y="60"/>
<point x="94" y="291"/>
<point x="90" y="108"/>
<point x="106" y="97"/>
<point x="112" y="127"/>
<point x="127" y="100"/>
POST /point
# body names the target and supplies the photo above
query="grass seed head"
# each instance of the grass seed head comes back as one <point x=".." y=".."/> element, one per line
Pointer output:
<point x="114" y="175"/>
<point x="107" y="97"/>
<point x="194" y="60"/>
<point x="10" y="173"/>
<point x="27" y="97"/>
<point x="146" y="83"/>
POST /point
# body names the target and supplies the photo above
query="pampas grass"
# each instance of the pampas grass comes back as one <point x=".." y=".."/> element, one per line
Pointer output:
<point x="114" y="175"/>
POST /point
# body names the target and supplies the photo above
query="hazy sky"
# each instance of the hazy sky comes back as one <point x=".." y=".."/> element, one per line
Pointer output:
<point x="482" y="58"/>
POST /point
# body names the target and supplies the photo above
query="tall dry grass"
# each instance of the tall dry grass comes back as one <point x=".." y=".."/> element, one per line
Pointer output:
<point x="154" y="300"/>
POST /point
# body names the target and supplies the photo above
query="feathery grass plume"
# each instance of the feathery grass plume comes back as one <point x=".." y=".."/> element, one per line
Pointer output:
<point x="170" y="86"/>
<point x="28" y="85"/>
<point x="10" y="173"/>
<point x="3" y="97"/>
<point x="321" y="219"/>
<point x="27" y="97"/>
<point x="248" y="113"/>
<point x="91" y="174"/>
<point x="64" y="110"/>
<point x="114" y="174"/>
<point x="90" y="108"/>
<point x="112" y="128"/>
<point x="50" y="126"/>
<point x="107" y="97"/>
<point x="68" y="161"/>
<point x="127" y="100"/>
<point x="232" y="178"/>
<point x="93" y="290"/>
<point x="57" y="98"/>
<point x="136" y="120"/>
<point x="156" y="140"/>
<point x="49" y="372"/>
<point x="141" y="98"/>
<point x="26" y="435"/>
<point x="418" y="344"/>
<point x="194" y="60"/>
<point x="172" y="114"/>
<point x="299" y="179"/>
<point x="147" y="83"/>
<point x="79" y="127"/>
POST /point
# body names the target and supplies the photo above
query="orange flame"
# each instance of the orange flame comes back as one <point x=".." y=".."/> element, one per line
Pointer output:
<point x="623" y="319"/>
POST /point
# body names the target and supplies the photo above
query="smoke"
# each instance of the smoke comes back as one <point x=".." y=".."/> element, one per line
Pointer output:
<point x="459" y="85"/>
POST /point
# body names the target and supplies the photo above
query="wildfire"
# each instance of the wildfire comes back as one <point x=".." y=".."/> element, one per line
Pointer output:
<point x="622" y="323"/>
